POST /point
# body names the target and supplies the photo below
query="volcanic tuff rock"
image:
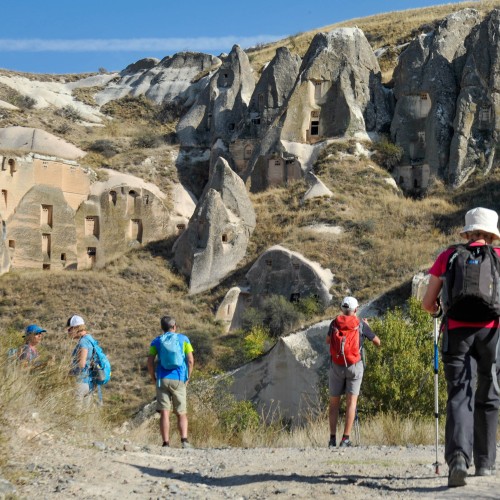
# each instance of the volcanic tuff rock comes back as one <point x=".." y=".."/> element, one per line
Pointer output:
<point x="338" y="73"/>
<point x="161" y="81"/>
<point x="4" y="249"/>
<point x="477" y="119"/>
<point x="426" y="86"/>
<point x="279" y="271"/>
<point x="217" y="236"/>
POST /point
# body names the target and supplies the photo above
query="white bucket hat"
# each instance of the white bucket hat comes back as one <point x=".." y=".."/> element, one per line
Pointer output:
<point x="349" y="304"/>
<point x="481" y="219"/>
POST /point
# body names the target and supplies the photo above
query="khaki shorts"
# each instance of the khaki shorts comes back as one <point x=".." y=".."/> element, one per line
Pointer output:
<point x="171" y="394"/>
<point x="345" y="379"/>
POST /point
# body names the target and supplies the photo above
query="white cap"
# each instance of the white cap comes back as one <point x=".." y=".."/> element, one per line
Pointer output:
<point x="75" y="321"/>
<point x="481" y="219"/>
<point x="349" y="304"/>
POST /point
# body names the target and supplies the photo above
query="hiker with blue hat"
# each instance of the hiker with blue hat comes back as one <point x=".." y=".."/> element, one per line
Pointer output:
<point x="33" y="337"/>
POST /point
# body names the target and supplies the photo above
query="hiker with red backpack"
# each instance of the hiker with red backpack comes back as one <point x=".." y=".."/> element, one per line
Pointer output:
<point x="345" y="337"/>
<point x="468" y="279"/>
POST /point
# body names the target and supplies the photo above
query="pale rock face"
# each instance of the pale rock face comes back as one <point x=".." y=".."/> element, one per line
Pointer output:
<point x="160" y="81"/>
<point x="4" y="248"/>
<point x="217" y="236"/>
<point x="288" y="378"/>
<point x="317" y="188"/>
<point x="426" y="88"/>
<point x="477" y="120"/>
<point x="333" y="89"/>
<point x="279" y="271"/>
<point x="25" y="139"/>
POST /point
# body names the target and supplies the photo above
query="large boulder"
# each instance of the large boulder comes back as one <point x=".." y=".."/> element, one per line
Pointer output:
<point x="288" y="380"/>
<point x="279" y="271"/>
<point x="4" y="248"/>
<point x="217" y="236"/>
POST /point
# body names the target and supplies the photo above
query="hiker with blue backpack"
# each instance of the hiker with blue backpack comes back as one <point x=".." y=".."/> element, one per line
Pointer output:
<point x="345" y="337"/>
<point x="89" y="365"/>
<point x="468" y="278"/>
<point x="173" y="354"/>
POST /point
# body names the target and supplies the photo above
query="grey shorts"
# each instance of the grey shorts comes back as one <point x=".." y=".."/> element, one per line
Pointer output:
<point x="171" y="395"/>
<point x="345" y="379"/>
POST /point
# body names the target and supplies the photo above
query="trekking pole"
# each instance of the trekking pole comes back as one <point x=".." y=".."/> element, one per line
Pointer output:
<point x="436" y="392"/>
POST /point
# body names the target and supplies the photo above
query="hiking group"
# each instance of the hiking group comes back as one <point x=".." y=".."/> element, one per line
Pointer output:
<point x="463" y="289"/>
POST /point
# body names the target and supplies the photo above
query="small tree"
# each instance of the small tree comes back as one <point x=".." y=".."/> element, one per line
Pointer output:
<point x="399" y="375"/>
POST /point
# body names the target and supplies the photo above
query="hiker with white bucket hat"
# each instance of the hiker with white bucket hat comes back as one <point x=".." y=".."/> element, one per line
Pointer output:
<point x="467" y="277"/>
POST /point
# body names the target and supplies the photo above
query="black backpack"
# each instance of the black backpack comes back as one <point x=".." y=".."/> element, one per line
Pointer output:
<point x="471" y="284"/>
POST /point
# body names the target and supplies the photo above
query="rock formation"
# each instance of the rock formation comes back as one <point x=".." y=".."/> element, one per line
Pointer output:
<point x="279" y="271"/>
<point x="161" y="81"/>
<point x="217" y="236"/>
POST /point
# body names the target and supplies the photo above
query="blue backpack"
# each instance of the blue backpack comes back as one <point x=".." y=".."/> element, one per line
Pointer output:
<point x="171" y="353"/>
<point x="100" y="367"/>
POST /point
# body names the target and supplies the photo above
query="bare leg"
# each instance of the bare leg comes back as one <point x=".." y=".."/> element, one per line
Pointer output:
<point x="350" y="412"/>
<point x="333" y="414"/>
<point x="182" y="422"/>
<point x="165" y="425"/>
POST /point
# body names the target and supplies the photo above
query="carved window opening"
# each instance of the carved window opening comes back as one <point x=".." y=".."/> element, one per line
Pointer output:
<point x="4" y="164"/>
<point x="296" y="265"/>
<point x="136" y="230"/>
<point x="261" y="101"/>
<point x="315" y="128"/>
<point x="421" y="136"/>
<point x="92" y="226"/>
<point x="247" y="153"/>
<point x="401" y="180"/>
<point x="424" y="96"/>
<point x="485" y="114"/>
<point x="318" y="87"/>
<point x="112" y="197"/>
<point x="231" y="127"/>
<point x="63" y="257"/>
<point x="209" y="121"/>
<point x="46" y="267"/>
<point x="224" y="238"/>
<point x="12" y="165"/>
<point x="256" y="120"/>
<point x="12" y="244"/>
<point x="46" y="215"/>
<point x="295" y="297"/>
<point x="132" y="195"/>
<point x="4" y="198"/>
<point x="46" y="244"/>
<point x="91" y="255"/>
<point x="146" y="199"/>
<point x="181" y="228"/>
<point x="415" y="183"/>
<point x="277" y="162"/>
<point x="315" y="114"/>
<point x="269" y="263"/>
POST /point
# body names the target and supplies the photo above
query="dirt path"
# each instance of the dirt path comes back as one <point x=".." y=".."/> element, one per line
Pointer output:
<point x="114" y="470"/>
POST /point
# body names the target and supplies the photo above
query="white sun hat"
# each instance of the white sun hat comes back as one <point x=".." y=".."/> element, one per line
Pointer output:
<point x="481" y="219"/>
<point x="349" y="304"/>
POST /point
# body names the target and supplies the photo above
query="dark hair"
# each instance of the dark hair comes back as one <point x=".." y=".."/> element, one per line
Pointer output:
<point x="167" y="322"/>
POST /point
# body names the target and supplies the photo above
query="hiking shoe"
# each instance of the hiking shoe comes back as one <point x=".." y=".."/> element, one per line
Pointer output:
<point x="186" y="445"/>
<point x="332" y="443"/>
<point x="345" y="443"/>
<point x="457" y="471"/>
<point x="486" y="471"/>
<point x="165" y="444"/>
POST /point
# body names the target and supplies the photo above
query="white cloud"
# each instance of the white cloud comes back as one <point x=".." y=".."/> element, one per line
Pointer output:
<point x="132" y="44"/>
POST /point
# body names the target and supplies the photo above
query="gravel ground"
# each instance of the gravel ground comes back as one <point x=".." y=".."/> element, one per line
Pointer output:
<point x="119" y="469"/>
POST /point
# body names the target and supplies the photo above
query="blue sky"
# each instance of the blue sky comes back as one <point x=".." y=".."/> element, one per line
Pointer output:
<point x="67" y="36"/>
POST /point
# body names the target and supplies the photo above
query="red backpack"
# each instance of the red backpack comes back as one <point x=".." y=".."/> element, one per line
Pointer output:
<point x="344" y="335"/>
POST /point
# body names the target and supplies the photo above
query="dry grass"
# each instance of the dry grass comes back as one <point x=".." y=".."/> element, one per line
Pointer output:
<point x="389" y="29"/>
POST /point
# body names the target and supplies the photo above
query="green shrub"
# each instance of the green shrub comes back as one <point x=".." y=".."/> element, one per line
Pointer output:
<point x="399" y="376"/>
<point x="25" y="101"/>
<point x="105" y="147"/>
<point x="70" y="113"/>
<point x="241" y="415"/>
<point x="147" y="140"/>
<point x="310" y="306"/>
<point x="256" y="342"/>
<point x="276" y="314"/>
<point x="387" y="153"/>
<point x="202" y="343"/>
